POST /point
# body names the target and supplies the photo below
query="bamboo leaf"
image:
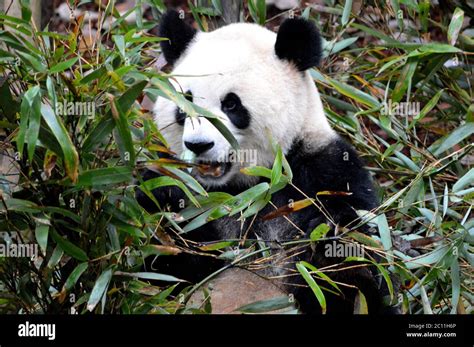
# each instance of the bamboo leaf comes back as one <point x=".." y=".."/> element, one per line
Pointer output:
<point x="64" y="65"/>
<point x="100" y="288"/>
<point x="69" y="155"/>
<point x="313" y="285"/>
<point x="455" y="25"/>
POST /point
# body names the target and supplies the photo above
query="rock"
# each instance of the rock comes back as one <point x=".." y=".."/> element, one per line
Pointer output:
<point x="235" y="288"/>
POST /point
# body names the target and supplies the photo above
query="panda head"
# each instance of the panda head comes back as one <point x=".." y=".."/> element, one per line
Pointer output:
<point x="255" y="81"/>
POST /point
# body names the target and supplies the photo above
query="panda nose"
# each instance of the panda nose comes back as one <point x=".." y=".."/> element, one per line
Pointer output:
<point x="199" y="147"/>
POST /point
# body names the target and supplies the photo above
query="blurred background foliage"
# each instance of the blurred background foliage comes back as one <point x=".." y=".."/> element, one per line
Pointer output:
<point x="67" y="181"/>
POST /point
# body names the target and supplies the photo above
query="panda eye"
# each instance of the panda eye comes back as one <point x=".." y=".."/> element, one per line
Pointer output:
<point x="230" y="102"/>
<point x="232" y="106"/>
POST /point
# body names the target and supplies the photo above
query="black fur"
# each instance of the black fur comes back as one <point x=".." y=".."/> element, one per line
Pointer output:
<point x="335" y="167"/>
<point x="232" y="106"/>
<point x="179" y="34"/>
<point x="299" y="42"/>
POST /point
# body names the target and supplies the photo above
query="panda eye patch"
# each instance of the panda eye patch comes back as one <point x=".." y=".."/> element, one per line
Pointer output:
<point x="232" y="106"/>
<point x="180" y="114"/>
<point x="230" y="102"/>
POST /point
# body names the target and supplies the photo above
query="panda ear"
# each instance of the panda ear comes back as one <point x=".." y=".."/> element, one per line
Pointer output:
<point x="178" y="33"/>
<point x="298" y="41"/>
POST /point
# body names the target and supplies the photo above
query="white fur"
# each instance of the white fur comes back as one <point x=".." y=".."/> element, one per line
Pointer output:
<point x="240" y="58"/>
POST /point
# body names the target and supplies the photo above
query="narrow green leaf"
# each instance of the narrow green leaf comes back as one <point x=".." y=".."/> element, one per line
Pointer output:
<point x="105" y="176"/>
<point x="74" y="276"/>
<point x="384" y="231"/>
<point x="427" y="108"/>
<point x="354" y="93"/>
<point x="318" y="232"/>
<point x="165" y="181"/>
<point x="64" y="65"/>
<point x="346" y="13"/>
<point x="456" y="285"/>
<point x="455" y="25"/>
<point x="452" y="139"/>
<point x="360" y="304"/>
<point x="70" y="156"/>
<point x="266" y="305"/>
<point x="313" y="285"/>
<point x="126" y="144"/>
<point x="68" y="247"/>
<point x="277" y="169"/>
<point x="100" y="288"/>
<point x="41" y="235"/>
<point x="149" y="276"/>
<point x="467" y="179"/>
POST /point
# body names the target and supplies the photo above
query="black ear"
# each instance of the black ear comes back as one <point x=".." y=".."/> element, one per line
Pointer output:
<point x="299" y="42"/>
<point x="179" y="34"/>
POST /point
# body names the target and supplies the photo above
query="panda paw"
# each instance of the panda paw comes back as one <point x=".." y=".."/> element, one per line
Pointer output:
<point x="170" y="198"/>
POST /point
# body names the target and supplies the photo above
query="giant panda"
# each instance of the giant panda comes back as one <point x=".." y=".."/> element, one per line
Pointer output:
<point x="258" y="82"/>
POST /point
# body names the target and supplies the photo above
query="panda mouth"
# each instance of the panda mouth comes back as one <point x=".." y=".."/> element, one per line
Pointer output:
<point x="213" y="169"/>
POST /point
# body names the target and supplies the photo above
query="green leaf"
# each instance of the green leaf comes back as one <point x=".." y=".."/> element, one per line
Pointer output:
<point x="99" y="72"/>
<point x="313" y="285"/>
<point x="33" y="126"/>
<point x="360" y="304"/>
<point x="149" y="276"/>
<point x="99" y="133"/>
<point x="41" y="235"/>
<point x="257" y="171"/>
<point x="126" y="144"/>
<point x="334" y="47"/>
<point x="277" y="169"/>
<point x="55" y="257"/>
<point x="68" y="247"/>
<point x="242" y="200"/>
<point x="64" y="65"/>
<point x="321" y="275"/>
<point x="404" y="80"/>
<point x="32" y="61"/>
<point x="70" y="156"/>
<point x="456" y="285"/>
<point x="257" y="10"/>
<point x="189" y="180"/>
<point x="346" y="13"/>
<point x="105" y="176"/>
<point x="384" y="231"/>
<point x="165" y="181"/>
<point x="354" y="93"/>
<point x="427" y="259"/>
<point x="467" y="179"/>
<point x="427" y="108"/>
<point x="455" y="25"/>
<point x="318" y="232"/>
<point x="452" y="139"/>
<point x="30" y="118"/>
<point x="266" y="305"/>
<point x="100" y="288"/>
<point x="74" y="276"/>
<point x="119" y="44"/>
